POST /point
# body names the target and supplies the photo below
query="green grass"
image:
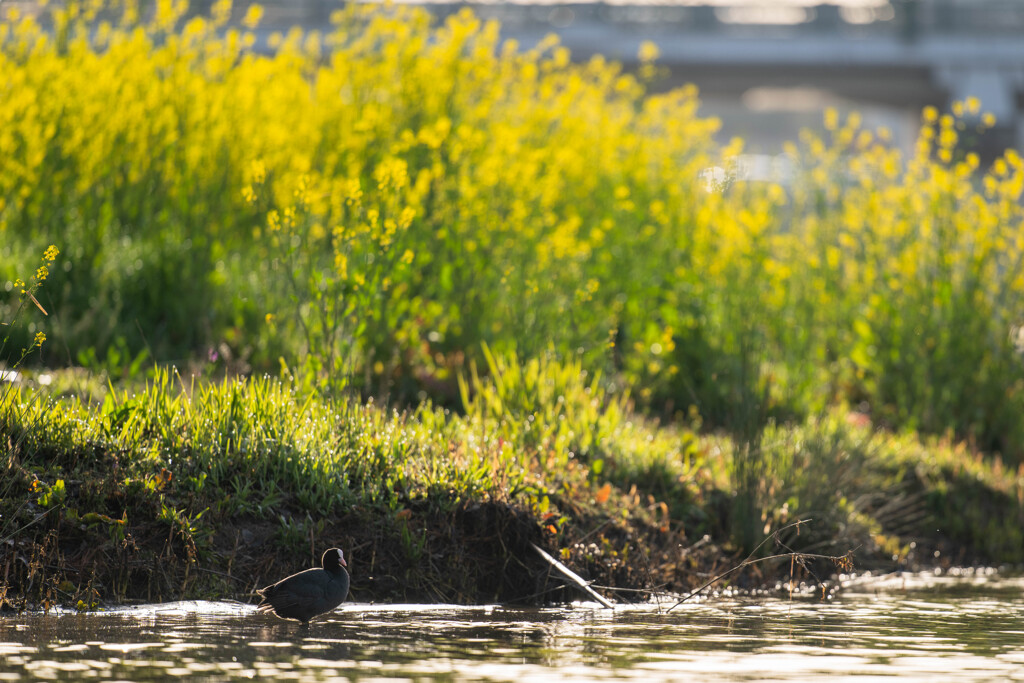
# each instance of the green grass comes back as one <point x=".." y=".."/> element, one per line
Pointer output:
<point x="186" y="470"/>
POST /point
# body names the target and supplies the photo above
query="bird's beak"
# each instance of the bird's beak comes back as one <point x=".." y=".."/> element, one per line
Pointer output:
<point x="343" y="562"/>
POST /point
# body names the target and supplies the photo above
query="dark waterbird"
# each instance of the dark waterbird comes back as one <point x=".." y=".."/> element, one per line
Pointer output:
<point x="310" y="593"/>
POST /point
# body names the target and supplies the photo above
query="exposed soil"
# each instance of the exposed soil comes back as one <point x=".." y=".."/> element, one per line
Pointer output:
<point x="429" y="551"/>
<point x="478" y="553"/>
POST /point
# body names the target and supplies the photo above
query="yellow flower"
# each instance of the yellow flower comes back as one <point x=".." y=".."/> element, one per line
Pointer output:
<point x="830" y="119"/>
<point x="42" y="272"/>
<point x="221" y="12"/>
<point x="353" y="191"/>
<point x="948" y="138"/>
<point x="269" y="318"/>
<point x="301" y="192"/>
<point x="258" y="171"/>
<point x="393" y="173"/>
<point x="51" y="253"/>
<point x="252" y="17"/>
<point x="40" y="338"/>
<point x="289" y="217"/>
<point x="648" y="52"/>
<point x="406" y="217"/>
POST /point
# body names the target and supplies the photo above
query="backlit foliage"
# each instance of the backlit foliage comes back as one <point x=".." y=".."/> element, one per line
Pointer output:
<point x="377" y="201"/>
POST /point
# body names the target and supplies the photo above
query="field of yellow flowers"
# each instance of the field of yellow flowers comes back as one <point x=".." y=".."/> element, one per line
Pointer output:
<point x="370" y="206"/>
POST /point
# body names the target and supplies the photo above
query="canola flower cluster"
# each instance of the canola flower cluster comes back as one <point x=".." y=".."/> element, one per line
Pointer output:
<point x="377" y="201"/>
<point x="26" y="294"/>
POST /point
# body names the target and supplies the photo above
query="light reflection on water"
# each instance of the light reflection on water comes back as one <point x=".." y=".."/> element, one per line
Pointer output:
<point x="966" y="628"/>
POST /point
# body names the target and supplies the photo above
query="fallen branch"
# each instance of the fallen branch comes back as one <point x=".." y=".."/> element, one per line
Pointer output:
<point x="844" y="561"/>
<point x="576" y="578"/>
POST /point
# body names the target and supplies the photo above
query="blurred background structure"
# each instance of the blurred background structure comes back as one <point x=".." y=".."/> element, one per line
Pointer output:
<point x="768" y="68"/>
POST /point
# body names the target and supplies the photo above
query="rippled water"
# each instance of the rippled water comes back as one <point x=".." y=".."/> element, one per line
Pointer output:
<point x="915" y="628"/>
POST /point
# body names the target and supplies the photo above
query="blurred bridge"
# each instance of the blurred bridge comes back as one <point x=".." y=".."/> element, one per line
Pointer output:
<point x="902" y="54"/>
<point x="897" y="54"/>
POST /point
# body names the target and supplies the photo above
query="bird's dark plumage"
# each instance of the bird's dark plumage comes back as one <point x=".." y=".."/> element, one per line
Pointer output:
<point x="310" y="593"/>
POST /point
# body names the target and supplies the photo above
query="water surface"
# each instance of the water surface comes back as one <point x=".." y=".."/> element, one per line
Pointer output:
<point x="924" y="628"/>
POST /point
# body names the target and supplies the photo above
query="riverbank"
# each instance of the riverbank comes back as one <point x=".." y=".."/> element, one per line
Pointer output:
<point x="527" y="260"/>
<point x="183" y="489"/>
